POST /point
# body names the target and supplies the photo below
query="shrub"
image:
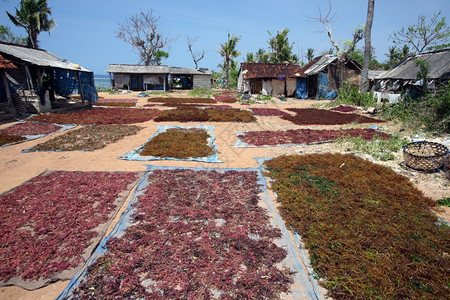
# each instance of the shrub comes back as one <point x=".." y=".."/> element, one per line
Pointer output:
<point x="379" y="148"/>
<point x="431" y="112"/>
<point x="203" y="93"/>
<point x="349" y="94"/>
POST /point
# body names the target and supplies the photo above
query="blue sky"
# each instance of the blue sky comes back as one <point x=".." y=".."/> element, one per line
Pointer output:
<point x="85" y="28"/>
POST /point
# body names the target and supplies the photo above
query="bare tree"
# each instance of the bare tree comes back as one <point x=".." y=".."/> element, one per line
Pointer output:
<point x="423" y="36"/>
<point x="342" y="54"/>
<point x="196" y="56"/>
<point x="327" y="20"/>
<point x="142" y="33"/>
<point x="368" y="44"/>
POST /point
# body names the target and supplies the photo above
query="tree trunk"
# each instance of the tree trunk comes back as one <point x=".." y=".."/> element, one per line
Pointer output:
<point x="368" y="45"/>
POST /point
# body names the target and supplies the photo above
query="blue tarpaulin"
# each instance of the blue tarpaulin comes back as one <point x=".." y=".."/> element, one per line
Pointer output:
<point x="322" y="85"/>
<point x="64" y="82"/>
<point x="302" y="88"/>
<point x="88" y="86"/>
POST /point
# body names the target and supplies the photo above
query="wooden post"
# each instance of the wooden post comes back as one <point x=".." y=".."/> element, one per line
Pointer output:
<point x="29" y="78"/>
<point x="6" y="85"/>
<point x="80" y="89"/>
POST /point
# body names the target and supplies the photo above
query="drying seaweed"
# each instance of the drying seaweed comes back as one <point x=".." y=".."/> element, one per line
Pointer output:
<point x="369" y="232"/>
<point x="99" y="116"/>
<point x="194" y="235"/>
<point x="30" y="129"/>
<point x="193" y="114"/>
<point x="314" y="116"/>
<point x="307" y="136"/>
<point x="179" y="143"/>
<point x="269" y="112"/>
<point x="344" y="108"/>
<point x="87" y="138"/>
<point x="10" y="139"/>
<point x="174" y="100"/>
<point x="47" y="223"/>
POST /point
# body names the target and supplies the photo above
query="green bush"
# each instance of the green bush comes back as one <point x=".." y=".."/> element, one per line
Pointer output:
<point x="380" y="149"/>
<point x="431" y="112"/>
<point x="203" y="93"/>
<point x="349" y="94"/>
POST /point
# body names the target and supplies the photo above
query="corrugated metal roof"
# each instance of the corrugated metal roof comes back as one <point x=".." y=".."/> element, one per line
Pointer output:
<point x="268" y="70"/>
<point x="372" y="74"/>
<point x="139" y="69"/>
<point x="38" y="57"/>
<point x="439" y="63"/>
<point x="321" y="64"/>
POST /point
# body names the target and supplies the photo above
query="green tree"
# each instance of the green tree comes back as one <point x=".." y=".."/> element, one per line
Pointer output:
<point x="34" y="17"/>
<point x="281" y="49"/>
<point x="8" y="37"/>
<point x="262" y="56"/>
<point x="422" y="74"/>
<point x="250" y="57"/>
<point x="396" y="55"/>
<point x="228" y="51"/>
<point x="310" y="54"/>
<point x="159" y="55"/>
<point x="423" y="36"/>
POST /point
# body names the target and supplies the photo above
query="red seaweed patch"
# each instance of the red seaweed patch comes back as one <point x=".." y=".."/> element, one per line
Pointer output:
<point x="306" y="136"/>
<point x="99" y="116"/>
<point x="314" y="116"/>
<point x="31" y="129"/>
<point x="344" y="108"/>
<point x="48" y="223"/>
<point x="194" y="235"/>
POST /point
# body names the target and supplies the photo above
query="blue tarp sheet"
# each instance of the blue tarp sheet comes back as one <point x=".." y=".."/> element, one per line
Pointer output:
<point x="302" y="88"/>
<point x="322" y="85"/>
<point x="64" y="82"/>
<point x="88" y="86"/>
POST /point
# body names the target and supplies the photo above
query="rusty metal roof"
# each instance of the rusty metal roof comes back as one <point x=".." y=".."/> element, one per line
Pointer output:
<point x="6" y="64"/>
<point x="267" y="70"/>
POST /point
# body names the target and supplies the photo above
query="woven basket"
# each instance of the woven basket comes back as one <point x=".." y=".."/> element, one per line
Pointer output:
<point x="424" y="156"/>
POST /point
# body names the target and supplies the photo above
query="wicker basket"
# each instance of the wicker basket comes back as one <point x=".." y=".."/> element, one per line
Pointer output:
<point x="425" y="156"/>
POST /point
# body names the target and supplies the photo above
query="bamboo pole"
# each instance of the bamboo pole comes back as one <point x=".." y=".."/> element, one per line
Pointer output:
<point x="80" y="89"/>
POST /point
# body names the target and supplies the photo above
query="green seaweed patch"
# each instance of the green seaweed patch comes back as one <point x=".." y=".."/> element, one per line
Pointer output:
<point x="173" y="100"/>
<point x="179" y="143"/>
<point x="369" y="232"/>
<point x="10" y="139"/>
<point x="191" y="114"/>
<point x="89" y="138"/>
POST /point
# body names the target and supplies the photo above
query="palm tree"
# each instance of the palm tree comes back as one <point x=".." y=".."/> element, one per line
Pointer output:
<point x="310" y="54"/>
<point x="228" y="52"/>
<point x="368" y="45"/>
<point x="262" y="56"/>
<point x="281" y="49"/>
<point x="34" y="16"/>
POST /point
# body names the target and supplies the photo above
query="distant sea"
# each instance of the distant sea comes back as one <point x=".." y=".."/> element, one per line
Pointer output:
<point x="102" y="81"/>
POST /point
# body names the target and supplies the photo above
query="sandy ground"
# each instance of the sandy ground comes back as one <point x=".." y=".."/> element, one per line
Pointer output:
<point x="17" y="167"/>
